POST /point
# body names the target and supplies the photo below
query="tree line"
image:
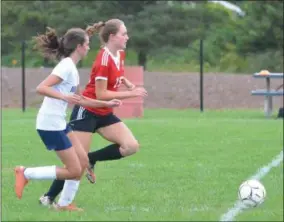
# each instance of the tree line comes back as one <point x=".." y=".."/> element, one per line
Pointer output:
<point x="160" y="27"/>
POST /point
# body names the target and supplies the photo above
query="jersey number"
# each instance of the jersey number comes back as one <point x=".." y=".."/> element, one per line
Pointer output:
<point x="118" y="82"/>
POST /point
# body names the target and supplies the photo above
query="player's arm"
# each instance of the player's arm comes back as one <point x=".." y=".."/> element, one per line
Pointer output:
<point x="101" y="81"/>
<point x="58" y="74"/>
<point x="104" y="94"/>
<point x="124" y="80"/>
<point x="127" y="83"/>
<point x="45" y="88"/>
<point x="94" y="103"/>
<point x="78" y="90"/>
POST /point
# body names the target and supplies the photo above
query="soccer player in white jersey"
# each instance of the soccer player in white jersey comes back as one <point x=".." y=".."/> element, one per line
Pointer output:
<point x="59" y="89"/>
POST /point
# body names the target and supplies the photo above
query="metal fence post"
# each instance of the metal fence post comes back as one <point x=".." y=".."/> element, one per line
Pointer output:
<point x="23" y="77"/>
<point x="201" y="75"/>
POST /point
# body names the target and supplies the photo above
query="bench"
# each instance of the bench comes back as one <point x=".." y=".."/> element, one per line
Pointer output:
<point x="264" y="92"/>
<point x="268" y="93"/>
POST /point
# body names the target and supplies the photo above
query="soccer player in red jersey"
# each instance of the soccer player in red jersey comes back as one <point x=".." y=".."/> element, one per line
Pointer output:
<point x="107" y="75"/>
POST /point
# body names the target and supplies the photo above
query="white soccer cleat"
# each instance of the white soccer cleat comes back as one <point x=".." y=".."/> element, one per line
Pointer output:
<point x="45" y="201"/>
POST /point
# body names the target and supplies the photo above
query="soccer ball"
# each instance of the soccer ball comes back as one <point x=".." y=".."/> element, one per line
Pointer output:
<point x="252" y="193"/>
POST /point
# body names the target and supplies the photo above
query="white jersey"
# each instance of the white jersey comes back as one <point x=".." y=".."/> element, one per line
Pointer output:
<point x="52" y="113"/>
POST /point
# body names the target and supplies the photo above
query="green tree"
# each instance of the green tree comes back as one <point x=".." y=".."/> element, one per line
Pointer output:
<point x="175" y="24"/>
<point x="261" y="28"/>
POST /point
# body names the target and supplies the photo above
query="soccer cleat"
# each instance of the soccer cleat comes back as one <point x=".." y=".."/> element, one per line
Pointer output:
<point x="21" y="181"/>
<point x="90" y="173"/>
<point x="70" y="207"/>
<point x="46" y="201"/>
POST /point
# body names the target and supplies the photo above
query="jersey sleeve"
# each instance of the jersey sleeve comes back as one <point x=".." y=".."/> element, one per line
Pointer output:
<point x="62" y="69"/>
<point x="102" y="67"/>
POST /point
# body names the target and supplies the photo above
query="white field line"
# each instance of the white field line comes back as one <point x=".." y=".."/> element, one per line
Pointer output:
<point x="238" y="206"/>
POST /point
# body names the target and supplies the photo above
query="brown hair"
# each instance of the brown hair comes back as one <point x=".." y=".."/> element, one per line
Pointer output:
<point x="53" y="47"/>
<point x="105" y="29"/>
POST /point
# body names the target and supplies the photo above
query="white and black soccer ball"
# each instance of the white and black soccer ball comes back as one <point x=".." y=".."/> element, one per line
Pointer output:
<point x="252" y="193"/>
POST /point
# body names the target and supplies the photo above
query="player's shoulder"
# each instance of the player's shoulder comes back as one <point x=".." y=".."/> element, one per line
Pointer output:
<point x="103" y="57"/>
<point x="66" y="61"/>
<point x="65" y="65"/>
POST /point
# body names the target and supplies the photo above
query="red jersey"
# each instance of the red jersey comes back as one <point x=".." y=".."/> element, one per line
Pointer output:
<point x="109" y="68"/>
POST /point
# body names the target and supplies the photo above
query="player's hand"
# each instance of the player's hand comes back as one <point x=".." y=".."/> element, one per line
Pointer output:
<point x="72" y="98"/>
<point x="114" y="103"/>
<point x="139" y="91"/>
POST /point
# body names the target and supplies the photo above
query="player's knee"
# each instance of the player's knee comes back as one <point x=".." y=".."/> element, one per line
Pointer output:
<point x="75" y="172"/>
<point x="131" y="147"/>
<point x="134" y="146"/>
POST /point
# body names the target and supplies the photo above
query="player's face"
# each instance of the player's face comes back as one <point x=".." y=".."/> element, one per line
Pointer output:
<point x="121" y="37"/>
<point x="84" y="49"/>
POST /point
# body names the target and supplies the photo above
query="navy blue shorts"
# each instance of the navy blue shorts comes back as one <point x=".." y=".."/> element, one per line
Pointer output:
<point x="56" y="140"/>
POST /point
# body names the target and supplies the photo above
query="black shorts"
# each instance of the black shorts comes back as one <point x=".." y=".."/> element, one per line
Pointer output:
<point x="86" y="121"/>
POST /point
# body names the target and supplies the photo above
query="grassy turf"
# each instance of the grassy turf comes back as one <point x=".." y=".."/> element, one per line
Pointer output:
<point x="189" y="168"/>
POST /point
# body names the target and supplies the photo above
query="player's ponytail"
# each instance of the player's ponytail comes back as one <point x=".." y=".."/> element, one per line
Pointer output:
<point x="53" y="47"/>
<point x="105" y="29"/>
<point x="95" y="28"/>
<point x="49" y="44"/>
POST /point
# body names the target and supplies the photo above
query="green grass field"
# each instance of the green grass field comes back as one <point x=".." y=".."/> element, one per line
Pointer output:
<point x="189" y="168"/>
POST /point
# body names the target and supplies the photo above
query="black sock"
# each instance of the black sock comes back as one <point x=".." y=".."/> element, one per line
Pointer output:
<point x="55" y="189"/>
<point x="110" y="152"/>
